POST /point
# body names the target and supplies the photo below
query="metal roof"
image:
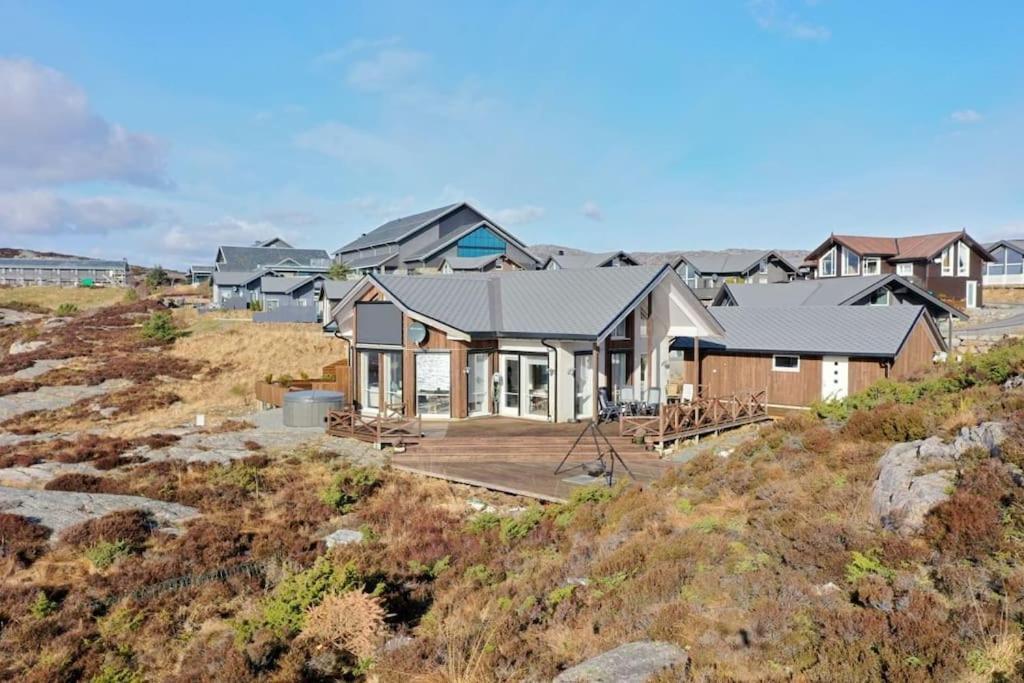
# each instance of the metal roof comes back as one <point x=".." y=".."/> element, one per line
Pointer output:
<point x="733" y="261"/>
<point x="69" y="264"/>
<point x="877" y="331"/>
<point x="1016" y="245"/>
<point x="396" y="229"/>
<point x="236" y="278"/>
<point x="254" y="258"/>
<point x="271" y="284"/>
<point x="371" y="261"/>
<point x="587" y="260"/>
<point x="336" y="290"/>
<point x="908" y="248"/>
<point x="471" y="262"/>
<point x="561" y="304"/>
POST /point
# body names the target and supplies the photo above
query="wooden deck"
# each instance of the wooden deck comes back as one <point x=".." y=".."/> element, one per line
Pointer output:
<point x="703" y="415"/>
<point x="519" y="457"/>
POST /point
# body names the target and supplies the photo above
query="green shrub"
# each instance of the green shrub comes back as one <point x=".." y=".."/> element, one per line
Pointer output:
<point x="130" y="295"/>
<point x="865" y="564"/>
<point x="349" y="486"/>
<point x="583" y="495"/>
<point x="482" y="522"/>
<point x="105" y="553"/>
<point x="284" y="611"/>
<point x="67" y="309"/>
<point x="42" y="606"/>
<point x="479" y="574"/>
<point x="559" y="595"/>
<point x="893" y="422"/>
<point x="156" y="277"/>
<point x="515" y="528"/>
<point x="684" y="506"/>
<point x="432" y="570"/>
<point x="160" y="327"/>
<point x="114" y="673"/>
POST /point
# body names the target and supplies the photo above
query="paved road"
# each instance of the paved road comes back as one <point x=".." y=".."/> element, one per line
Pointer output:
<point x="1011" y="324"/>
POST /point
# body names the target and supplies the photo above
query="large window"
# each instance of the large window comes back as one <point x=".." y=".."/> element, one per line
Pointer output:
<point x="905" y="269"/>
<point x="433" y="384"/>
<point x="620" y="373"/>
<point x="947" y="260"/>
<point x="688" y="273"/>
<point x="872" y="265"/>
<point x="477" y="379"/>
<point x="963" y="260"/>
<point x="851" y="263"/>
<point x="879" y="297"/>
<point x="827" y="264"/>
<point x="481" y="242"/>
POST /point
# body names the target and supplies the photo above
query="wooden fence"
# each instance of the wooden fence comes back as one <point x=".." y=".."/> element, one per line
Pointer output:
<point x="702" y="415"/>
<point x="334" y="377"/>
<point x="392" y="427"/>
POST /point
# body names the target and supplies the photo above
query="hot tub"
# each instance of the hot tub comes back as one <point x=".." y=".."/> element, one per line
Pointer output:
<point x="309" y="408"/>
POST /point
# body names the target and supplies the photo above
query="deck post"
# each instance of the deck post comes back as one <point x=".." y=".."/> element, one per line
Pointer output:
<point x="595" y="400"/>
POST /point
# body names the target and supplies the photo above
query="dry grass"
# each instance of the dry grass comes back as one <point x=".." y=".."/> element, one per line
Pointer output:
<point x="1004" y="295"/>
<point x="52" y="297"/>
<point x="244" y="353"/>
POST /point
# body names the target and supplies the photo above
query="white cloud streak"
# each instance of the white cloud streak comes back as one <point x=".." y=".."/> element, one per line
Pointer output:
<point x="770" y="16"/>
<point x="40" y="212"/>
<point x="591" y="210"/>
<point x="966" y="116"/>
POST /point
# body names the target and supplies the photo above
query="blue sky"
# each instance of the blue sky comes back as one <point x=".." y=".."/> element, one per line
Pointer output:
<point x="155" y="131"/>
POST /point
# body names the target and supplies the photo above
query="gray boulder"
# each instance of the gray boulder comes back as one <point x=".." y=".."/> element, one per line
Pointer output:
<point x="915" y="477"/>
<point x="630" y="663"/>
<point x="26" y="346"/>
<point x="343" y="537"/>
<point x="1015" y="382"/>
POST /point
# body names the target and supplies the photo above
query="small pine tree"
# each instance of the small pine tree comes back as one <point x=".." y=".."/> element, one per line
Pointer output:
<point x="338" y="271"/>
<point x="160" y="327"/>
<point x="156" y="277"/>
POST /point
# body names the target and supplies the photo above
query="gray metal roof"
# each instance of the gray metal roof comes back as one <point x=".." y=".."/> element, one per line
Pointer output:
<point x="235" y="278"/>
<point x="562" y="304"/>
<point x="1016" y="245"/>
<point x="67" y="263"/>
<point x="839" y="330"/>
<point x="587" y="260"/>
<point x="833" y="291"/>
<point x="254" y="258"/>
<point x="732" y="261"/>
<point x="201" y="268"/>
<point x="394" y="230"/>
<point x="471" y="262"/>
<point x="271" y="284"/>
<point x="371" y="261"/>
<point x="336" y="290"/>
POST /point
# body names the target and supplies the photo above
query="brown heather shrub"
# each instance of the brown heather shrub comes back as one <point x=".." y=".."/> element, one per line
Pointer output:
<point x="891" y="422"/>
<point x="818" y="439"/>
<point x="87" y="447"/>
<point x="17" y="386"/>
<point x="22" y="541"/>
<point x="351" y="622"/>
<point x="969" y="524"/>
<point x="130" y="526"/>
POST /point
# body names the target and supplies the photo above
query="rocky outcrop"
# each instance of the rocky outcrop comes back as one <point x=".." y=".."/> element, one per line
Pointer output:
<point x="916" y="476"/>
<point x="25" y="346"/>
<point x="62" y="509"/>
<point x="630" y="663"/>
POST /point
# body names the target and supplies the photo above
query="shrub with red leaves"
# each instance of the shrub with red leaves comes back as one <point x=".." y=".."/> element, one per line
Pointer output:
<point x="21" y="538"/>
<point x="130" y="526"/>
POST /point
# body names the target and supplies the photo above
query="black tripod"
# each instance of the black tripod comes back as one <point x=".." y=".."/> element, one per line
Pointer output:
<point x="599" y="467"/>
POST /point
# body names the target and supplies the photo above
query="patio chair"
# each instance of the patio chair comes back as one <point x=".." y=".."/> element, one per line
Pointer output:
<point x="627" y="399"/>
<point x="687" y="396"/>
<point x="607" y="411"/>
<point x="653" y="402"/>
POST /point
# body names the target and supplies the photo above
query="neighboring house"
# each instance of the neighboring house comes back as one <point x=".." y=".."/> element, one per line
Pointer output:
<point x="330" y="295"/>
<point x="423" y="241"/>
<point x="281" y="260"/>
<point x="803" y="354"/>
<point x="609" y="259"/>
<point x="62" y="272"/>
<point x="873" y="290"/>
<point x="198" y="274"/>
<point x="274" y="243"/>
<point x="534" y="344"/>
<point x="289" y="299"/>
<point x="236" y="290"/>
<point x="948" y="264"/>
<point x="1007" y="267"/>
<point x="706" y="272"/>
<point x="480" y="264"/>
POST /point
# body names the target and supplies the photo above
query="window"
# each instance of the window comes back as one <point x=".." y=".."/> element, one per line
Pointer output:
<point x="1014" y="262"/>
<point x="905" y="269"/>
<point x="481" y="242"/>
<point x="827" y="264"/>
<point x="786" y="363"/>
<point x="477" y="378"/>
<point x="620" y="330"/>
<point x="998" y="267"/>
<point x="872" y="265"/>
<point x="963" y="260"/>
<point x="619" y="374"/>
<point x="762" y="267"/>
<point x="947" y="260"/>
<point x="879" y="297"/>
<point x="433" y="384"/>
<point x="851" y="263"/>
<point x="688" y="273"/>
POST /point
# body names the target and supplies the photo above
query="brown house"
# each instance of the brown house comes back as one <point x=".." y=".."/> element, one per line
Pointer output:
<point x="799" y="355"/>
<point x="948" y="264"/>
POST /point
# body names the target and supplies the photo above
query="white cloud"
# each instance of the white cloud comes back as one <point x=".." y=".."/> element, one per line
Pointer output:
<point x="349" y="144"/>
<point x="353" y="47"/>
<point x="770" y="16"/>
<point x="49" y="134"/>
<point x="201" y="241"/>
<point x="966" y="116"/>
<point x="292" y="217"/>
<point x="40" y="212"/>
<point x="591" y="210"/>
<point x="386" y="70"/>
<point x="381" y="208"/>
<point x="519" y="215"/>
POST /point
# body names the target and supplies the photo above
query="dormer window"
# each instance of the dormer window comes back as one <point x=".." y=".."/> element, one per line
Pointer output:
<point x="963" y="260"/>
<point x="827" y="264"/>
<point x="872" y="265"/>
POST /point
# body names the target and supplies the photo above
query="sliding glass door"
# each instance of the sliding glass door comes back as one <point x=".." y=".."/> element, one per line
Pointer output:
<point x="583" y="377"/>
<point x="525" y="385"/>
<point x="380" y="381"/>
<point x="536" y="379"/>
<point x="510" y="384"/>
<point x="476" y="381"/>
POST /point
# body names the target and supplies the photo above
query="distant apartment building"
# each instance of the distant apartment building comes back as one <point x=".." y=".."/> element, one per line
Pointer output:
<point x="706" y="272"/>
<point x="62" y="272"/>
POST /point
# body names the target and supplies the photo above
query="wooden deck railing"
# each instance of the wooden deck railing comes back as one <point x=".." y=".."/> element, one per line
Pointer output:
<point x="389" y="428"/>
<point x="334" y="377"/>
<point x="703" y="414"/>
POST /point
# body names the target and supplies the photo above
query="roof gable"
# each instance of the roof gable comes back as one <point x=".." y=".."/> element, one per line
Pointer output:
<point x="399" y="228"/>
<point x="253" y="258"/>
<point x="731" y="262"/>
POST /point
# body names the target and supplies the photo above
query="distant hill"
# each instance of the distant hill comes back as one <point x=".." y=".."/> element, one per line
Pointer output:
<point x="542" y="251"/>
<point x="14" y="252"/>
